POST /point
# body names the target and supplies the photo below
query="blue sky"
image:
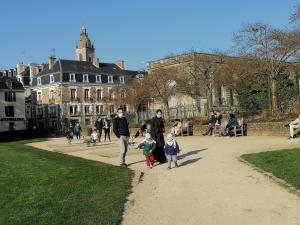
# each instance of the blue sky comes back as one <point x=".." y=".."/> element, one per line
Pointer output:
<point x="133" y="30"/>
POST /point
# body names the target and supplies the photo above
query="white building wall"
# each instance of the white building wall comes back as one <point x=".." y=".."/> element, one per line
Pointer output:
<point x="19" y="112"/>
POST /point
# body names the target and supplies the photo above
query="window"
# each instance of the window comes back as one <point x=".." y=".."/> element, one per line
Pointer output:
<point x="87" y="109"/>
<point x="52" y="110"/>
<point x="39" y="96"/>
<point x="99" y="109"/>
<point x="9" y="84"/>
<point x="73" y="94"/>
<point x="51" y="78"/>
<point x="85" y="78"/>
<point x="9" y="111"/>
<point x="52" y="95"/>
<point x="99" y="94"/>
<point x="111" y="109"/>
<point x="74" y="110"/>
<point x="123" y="93"/>
<point x="122" y="79"/>
<point x="86" y="94"/>
<point x="110" y="94"/>
<point x="110" y="79"/>
<point x="98" y="79"/>
<point x="39" y="82"/>
<point x="10" y="96"/>
<point x="87" y="122"/>
<point x="72" y="77"/>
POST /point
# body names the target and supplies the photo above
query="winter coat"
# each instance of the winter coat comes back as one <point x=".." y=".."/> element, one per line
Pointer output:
<point x="232" y="122"/>
<point x="99" y="124"/>
<point x="120" y="127"/>
<point x="157" y="130"/>
<point x="147" y="148"/>
<point x="171" y="150"/>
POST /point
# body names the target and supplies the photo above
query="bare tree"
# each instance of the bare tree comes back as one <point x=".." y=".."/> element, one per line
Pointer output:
<point x="161" y="84"/>
<point x="274" y="47"/>
<point x="198" y="76"/>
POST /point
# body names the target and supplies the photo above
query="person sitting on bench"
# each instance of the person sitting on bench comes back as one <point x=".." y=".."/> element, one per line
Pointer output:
<point x="211" y="125"/>
<point x="219" y="118"/>
<point x="294" y="126"/>
<point x="231" y="124"/>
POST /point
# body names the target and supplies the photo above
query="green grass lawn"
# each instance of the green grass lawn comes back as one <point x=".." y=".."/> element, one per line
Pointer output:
<point x="40" y="187"/>
<point x="284" y="164"/>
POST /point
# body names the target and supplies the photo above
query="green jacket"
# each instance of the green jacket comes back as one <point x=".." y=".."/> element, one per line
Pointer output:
<point x="148" y="148"/>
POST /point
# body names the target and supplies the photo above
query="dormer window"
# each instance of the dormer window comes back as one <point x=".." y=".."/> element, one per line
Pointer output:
<point x="110" y="79"/>
<point x="122" y="79"/>
<point x="72" y="77"/>
<point x="39" y="82"/>
<point x="51" y="78"/>
<point x="98" y="79"/>
<point x="85" y="78"/>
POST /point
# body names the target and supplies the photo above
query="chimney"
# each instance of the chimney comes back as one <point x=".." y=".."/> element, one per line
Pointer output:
<point x="51" y="61"/>
<point x="20" y="68"/>
<point x="96" y="62"/>
<point x="33" y="70"/>
<point x="120" y="64"/>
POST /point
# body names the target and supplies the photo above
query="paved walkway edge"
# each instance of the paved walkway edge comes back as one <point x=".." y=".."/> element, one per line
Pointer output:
<point x="277" y="180"/>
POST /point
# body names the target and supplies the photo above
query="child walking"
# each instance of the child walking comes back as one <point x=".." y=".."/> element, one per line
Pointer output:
<point x="171" y="150"/>
<point x="148" y="145"/>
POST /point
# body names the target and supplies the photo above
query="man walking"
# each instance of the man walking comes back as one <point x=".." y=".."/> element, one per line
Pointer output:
<point x="121" y="130"/>
<point x="99" y="126"/>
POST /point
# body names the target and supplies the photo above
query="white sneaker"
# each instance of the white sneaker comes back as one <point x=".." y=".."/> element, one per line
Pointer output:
<point x="228" y="137"/>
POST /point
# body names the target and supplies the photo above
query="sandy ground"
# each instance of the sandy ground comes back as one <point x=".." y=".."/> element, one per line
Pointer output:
<point x="211" y="187"/>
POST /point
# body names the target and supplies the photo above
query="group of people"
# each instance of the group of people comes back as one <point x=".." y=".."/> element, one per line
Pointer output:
<point x="153" y="146"/>
<point x="215" y="122"/>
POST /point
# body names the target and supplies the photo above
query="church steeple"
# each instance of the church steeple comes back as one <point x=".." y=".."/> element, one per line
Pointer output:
<point x="85" y="50"/>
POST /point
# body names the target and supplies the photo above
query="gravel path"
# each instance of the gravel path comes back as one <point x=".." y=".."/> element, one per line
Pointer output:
<point x="211" y="187"/>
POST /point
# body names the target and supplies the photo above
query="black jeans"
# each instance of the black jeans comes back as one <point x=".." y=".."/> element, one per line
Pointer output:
<point x="209" y="129"/>
<point x="106" y="134"/>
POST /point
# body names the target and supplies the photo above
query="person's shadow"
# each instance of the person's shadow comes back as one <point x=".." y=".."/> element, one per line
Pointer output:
<point x="194" y="152"/>
<point x="190" y="161"/>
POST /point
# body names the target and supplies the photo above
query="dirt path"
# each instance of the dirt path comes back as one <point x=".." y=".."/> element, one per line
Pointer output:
<point x="210" y="188"/>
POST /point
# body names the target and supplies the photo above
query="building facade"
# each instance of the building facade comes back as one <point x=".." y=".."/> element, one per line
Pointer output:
<point x="12" y="102"/>
<point x="81" y="90"/>
<point x="223" y="97"/>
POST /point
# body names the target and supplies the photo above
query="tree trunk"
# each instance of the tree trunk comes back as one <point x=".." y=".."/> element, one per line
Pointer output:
<point x="273" y="96"/>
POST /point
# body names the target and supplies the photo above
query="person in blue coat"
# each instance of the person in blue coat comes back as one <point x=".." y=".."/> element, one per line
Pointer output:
<point x="171" y="150"/>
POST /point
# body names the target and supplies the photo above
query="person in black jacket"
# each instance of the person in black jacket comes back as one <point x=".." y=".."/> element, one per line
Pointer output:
<point x="99" y="127"/>
<point x="157" y="130"/>
<point x="121" y="130"/>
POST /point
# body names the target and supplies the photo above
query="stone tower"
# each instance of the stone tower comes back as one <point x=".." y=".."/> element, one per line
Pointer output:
<point x="85" y="50"/>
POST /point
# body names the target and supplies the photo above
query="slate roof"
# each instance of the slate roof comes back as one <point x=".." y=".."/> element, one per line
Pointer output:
<point x="16" y="85"/>
<point x="75" y="66"/>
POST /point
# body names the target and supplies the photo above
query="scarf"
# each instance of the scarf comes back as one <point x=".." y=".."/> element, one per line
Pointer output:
<point x="171" y="140"/>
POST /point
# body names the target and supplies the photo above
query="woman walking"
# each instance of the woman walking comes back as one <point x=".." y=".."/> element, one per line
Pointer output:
<point x="106" y="129"/>
<point x="157" y="130"/>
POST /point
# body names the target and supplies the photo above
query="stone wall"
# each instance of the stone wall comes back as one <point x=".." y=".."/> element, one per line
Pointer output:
<point x="267" y="129"/>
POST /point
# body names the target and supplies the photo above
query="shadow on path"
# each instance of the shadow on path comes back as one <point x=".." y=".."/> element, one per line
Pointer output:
<point x="190" y="161"/>
<point x="194" y="152"/>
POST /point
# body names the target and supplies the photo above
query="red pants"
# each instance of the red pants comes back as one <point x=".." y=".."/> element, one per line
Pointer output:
<point x="149" y="159"/>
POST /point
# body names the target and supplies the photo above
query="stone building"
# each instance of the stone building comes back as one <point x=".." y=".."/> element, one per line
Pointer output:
<point x="80" y="90"/>
<point x="12" y="102"/>
<point x="223" y="97"/>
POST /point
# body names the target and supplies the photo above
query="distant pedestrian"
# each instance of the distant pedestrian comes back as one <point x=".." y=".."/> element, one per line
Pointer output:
<point x="68" y="134"/>
<point x="106" y="128"/>
<point x="121" y="130"/>
<point x="148" y="145"/>
<point x="171" y="150"/>
<point x="77" y="130"/>
<point x="293" y="126"/>
<point x="99" y="127"/>
<point x="94" y="136"/>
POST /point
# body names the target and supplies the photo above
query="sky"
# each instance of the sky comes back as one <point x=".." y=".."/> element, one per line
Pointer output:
<point x="135" y="31"/>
